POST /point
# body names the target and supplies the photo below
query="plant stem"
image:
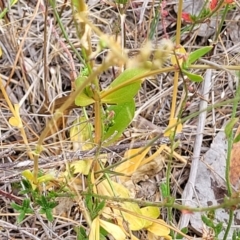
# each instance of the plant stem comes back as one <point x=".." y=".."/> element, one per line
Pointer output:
<point x="228" y="203"/>
<point x="223" y="17"/>
<point x="229" y="224"/>
<point x="65" y="33"/>
<point x="229" y="150"/>
<point x="58" y="113"/>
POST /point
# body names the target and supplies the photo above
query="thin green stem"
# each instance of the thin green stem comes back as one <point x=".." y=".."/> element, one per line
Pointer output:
<point x="234" y="111"/>
<point x="228" y="203"/>
<point x="230" y="220"/>
<point x="223" y="17"/>
<point x="229" y="150"/>
<point x="60" y="111"/>
<point x="173" y="107"/>
<point x="64" y="32"/>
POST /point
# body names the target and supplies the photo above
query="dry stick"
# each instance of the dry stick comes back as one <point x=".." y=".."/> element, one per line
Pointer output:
<point x="82" y="154"/>
<point x="189" y="189"/>
<point x="143" y="9"/>
<point x="27" y="231"/>
<point x="11" y="197"/>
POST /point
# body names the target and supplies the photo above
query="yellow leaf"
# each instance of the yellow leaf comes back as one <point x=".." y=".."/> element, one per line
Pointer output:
<point x="151" y="212"/>
<point x="114" y="230"/>
<point x="0" y="52"/>
<point x="112" y="189"/>
<point x="133" y="163"/>
<point x="135" y="223"/>
<point x="14" y="121"/>
<point x="95" y="230"/>
<point x="45" y="178"/>
<point x="28" y="175"/>
<point x="80" y="134"/>
<point x="159" y="228"/>
<point x="82" y="166"/>
<point x="180" y="53"/>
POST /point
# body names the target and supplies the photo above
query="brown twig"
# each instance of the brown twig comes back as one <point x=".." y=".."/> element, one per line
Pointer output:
<point x="82" y="154"/>
<point x="11" y="197"/>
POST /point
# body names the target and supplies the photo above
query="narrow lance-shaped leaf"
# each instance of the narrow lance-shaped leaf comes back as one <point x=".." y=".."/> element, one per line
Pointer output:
<point x="229" y="127"/>
<point x="194" y="56"/>
<point x="193" y="77"/>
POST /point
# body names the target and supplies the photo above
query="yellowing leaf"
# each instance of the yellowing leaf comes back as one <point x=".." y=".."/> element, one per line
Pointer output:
<point x="180" y="53"/>
<point x="45" y="178"/>
<point x="154" y="237"/>
<point x="16" y="120"/>
<point x="0" y="52"/>
<point x="114" y="230"/>
<point x="135" y="223"/>
<point x="80" y="134"/>
<point x="28" y="175"/>
<point x="82" y="166"/>
<point x="131" y="164"/>
<point x="112" y="189"/>
<point x="152" y="212"/>
<point x="159" y="228"/>
<point x="95" y="229"/>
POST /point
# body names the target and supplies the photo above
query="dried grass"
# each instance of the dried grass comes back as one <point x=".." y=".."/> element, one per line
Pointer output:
<point x="35" y="68"/>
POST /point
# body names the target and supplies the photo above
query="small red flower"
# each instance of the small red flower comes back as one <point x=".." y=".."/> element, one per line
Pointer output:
<point x="186" y="17"/>
<point x="213" y="4"/>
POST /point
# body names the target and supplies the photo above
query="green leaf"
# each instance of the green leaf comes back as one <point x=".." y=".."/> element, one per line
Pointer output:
<point x="207" y="221"/>
<point x="236" y="139"/>
<point x="122" y="1"/>
<point x="194" y="56"/>
<point x="99" y="207"/>
<point x="125" y="93"/>
<point x="193" y="77"/>
<point x="23" y="210"/>
<point x="27" y="184"/>
<point x="26" y="203"/>
<point x="183" y="230"/>
<point x="164" y="191"/>
<point x="236" y="235"/>
<point x="218" y="228"/>
<point x="81" y="233"/>
<point x="103" y="233"/>
<point x="16" y="206"/>
<point x="83" y="98"/>
<point x="21" y="216"/>
<point x="123" y="115"/>
<point x="49" y="215"/>
<point x="89" y="202"/>
<point x="229" y="127"/>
